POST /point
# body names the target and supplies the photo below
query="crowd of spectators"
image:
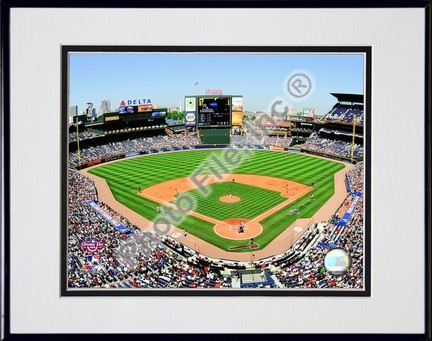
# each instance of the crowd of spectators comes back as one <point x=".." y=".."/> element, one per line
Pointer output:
<point x="298" y="250"/>
<point x="276" y="141"/>
<point x="178" y="140"/>
<point x="245" y="140"/>
<point x="302" y="130"/>
<point x="339" y="148"/>
<point x="309" y="272"/>
<point x="139" y="259"/>
<point x="167" y="141"/>
<point x="345" y="114"/>
<point x="355" y="177"/>
<point x="262" y="140"/>
<point x="84" y="135"/>
<point x="133" y="145"/>
<point x="85" y="224"/>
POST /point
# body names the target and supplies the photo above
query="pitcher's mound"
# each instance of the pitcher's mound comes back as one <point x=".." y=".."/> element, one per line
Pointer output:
<point x="226" y="198"/>
<point x="228" y="229"/>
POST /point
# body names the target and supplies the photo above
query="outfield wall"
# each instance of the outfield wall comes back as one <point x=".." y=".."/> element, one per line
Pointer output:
<point x="331" y="156"/>
<point x="214" y="146"/>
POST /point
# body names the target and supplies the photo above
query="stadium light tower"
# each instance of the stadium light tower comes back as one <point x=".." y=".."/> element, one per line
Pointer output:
<point x="353" y="138"/>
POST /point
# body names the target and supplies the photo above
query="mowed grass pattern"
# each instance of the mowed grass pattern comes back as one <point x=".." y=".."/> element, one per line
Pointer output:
<point x="254" y="201"/>
<point x="126" y="176"/>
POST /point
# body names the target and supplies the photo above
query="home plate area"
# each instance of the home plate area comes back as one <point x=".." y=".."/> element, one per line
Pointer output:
<point x="238" y="229"/>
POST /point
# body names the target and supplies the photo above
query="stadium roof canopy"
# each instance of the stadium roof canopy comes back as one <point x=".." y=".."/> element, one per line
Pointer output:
<point x="353" y="98"/>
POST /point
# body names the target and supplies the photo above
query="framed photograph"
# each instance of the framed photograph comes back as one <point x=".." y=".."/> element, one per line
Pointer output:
<point x="238" y="192"/>
<point x="251" y="164"/>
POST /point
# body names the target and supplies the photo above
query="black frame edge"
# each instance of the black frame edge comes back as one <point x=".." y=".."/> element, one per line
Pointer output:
<point x="217" y="4"/>
<point x="5" y="45"/>
<point x="64" y="169"/>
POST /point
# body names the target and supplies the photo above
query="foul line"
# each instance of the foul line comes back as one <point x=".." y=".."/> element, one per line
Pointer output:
<point x="196" y="214"/>
<point x="289" y="201"/>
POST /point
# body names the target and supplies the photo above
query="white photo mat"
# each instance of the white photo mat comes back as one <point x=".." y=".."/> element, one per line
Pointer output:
<point x="396" y="304"/>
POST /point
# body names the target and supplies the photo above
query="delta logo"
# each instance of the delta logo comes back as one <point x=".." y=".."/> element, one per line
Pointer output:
<point x="92" y="245"/>
<point x="135" y="102"/>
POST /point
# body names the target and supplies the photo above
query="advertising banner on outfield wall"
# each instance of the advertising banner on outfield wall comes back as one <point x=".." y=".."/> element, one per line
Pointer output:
<point x="277" y="148"/>
<point x="94" y="162"/>
<point x="132" y="154"/>
<point x="112" y="158"/>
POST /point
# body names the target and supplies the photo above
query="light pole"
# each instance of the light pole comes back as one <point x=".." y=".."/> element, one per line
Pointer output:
<point x="78" y="146"/>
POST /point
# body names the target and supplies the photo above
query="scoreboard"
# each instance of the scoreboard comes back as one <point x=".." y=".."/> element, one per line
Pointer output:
<point x="211" y="111"/>
<point x="214" y="112"/>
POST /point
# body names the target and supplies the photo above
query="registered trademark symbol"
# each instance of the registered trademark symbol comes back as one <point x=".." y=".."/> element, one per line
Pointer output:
<point x="299" y="85"/>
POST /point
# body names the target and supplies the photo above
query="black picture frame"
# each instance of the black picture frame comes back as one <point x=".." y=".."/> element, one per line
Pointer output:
<point x="7" y="6"/>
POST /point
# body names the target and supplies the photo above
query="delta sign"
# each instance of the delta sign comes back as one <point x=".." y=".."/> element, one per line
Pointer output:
<point x="135" y="102"/>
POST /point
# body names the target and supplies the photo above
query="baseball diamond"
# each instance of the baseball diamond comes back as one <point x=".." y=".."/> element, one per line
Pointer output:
<point x="260" y="183"/>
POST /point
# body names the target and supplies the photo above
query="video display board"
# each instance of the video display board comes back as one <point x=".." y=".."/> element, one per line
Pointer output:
<point x="214" y="112"/>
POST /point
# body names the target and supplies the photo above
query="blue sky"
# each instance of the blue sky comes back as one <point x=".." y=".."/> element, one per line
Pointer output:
<point x="167" y="78"/>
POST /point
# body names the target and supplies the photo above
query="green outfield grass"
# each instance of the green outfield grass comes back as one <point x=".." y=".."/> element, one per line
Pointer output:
<point x="126" y="176"/>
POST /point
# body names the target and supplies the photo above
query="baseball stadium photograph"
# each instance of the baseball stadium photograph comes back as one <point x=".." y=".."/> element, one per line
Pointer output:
<point x="215" y="171"/>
